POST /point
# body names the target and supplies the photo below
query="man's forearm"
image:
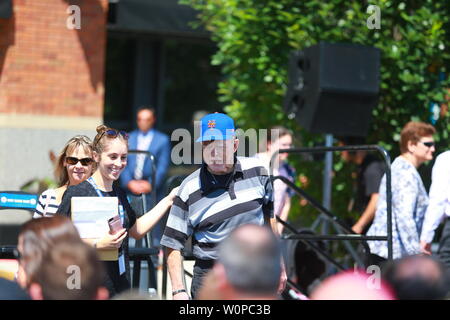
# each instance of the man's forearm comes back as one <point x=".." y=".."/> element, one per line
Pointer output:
<point x="176" y="270"/>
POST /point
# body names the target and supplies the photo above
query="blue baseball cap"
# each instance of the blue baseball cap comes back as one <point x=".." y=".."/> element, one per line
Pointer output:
<point x="216" y="126"/>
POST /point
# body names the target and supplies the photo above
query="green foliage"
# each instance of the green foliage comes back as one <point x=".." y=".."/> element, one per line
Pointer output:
<point x="39" y="185"/>
<point x="254" y="40"/>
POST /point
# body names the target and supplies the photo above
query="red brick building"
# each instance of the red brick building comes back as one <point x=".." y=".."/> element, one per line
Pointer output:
<point x="56" y="81"/>
<point x="48" y="70"/>
<point x="51" y="82"/>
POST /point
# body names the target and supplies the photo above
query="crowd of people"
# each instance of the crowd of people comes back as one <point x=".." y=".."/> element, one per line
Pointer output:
<point x="228" y="208"/>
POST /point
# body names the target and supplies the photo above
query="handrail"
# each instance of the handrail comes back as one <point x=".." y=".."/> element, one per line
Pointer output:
<point x="331" y="216"/>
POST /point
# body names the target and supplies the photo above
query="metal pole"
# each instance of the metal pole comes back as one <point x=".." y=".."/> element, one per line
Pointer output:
<point x="327" y="181"/>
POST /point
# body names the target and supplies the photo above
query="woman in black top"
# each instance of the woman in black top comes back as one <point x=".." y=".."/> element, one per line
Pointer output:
<point x="110" y="153"/>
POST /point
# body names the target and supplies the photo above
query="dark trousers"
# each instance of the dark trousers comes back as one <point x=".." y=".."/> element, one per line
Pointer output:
<point x="201" y="268"/>
<point x="444" y="245"/>
<point x="114" y="282"/>
<point x="375" y="260"/>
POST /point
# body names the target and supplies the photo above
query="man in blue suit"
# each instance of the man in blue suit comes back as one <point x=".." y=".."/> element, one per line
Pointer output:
<point x="137" y="176"/>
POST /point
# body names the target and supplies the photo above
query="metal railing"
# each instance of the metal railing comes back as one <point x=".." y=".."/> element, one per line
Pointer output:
<point x="350" y="235"/>
<point x="140" y="253"/>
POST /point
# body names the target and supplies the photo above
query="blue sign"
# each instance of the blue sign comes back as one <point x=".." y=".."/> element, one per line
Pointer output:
<point x="17" y="200"/>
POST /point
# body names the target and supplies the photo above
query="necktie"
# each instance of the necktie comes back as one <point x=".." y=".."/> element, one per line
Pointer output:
<point x="138" y="171"/>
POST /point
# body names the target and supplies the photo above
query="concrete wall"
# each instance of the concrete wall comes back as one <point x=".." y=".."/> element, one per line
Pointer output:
<point x="25" y="148"/>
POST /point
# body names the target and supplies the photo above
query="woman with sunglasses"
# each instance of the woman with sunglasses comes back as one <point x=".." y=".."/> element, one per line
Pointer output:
<point x="110" y="154"/>
<point x="73" y="166"/>
<point x="409" y="197"/>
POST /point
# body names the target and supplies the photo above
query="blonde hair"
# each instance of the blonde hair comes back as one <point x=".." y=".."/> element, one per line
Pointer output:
<point x="74" y="143"/>
<point x="101" y="140"/>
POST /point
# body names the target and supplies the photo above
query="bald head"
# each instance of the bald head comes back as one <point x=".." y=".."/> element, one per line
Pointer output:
<point x="251" y="256"/>
<point x="417" y="277"/>
<point x="145" y="119"/>
<point x="253" y="235"/>
<point x="419" y="266"/>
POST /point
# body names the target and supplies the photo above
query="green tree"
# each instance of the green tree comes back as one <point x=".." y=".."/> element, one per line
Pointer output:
<point x="255" y="37"/>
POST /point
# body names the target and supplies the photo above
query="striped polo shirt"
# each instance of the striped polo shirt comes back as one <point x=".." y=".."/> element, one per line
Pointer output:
<point x="209" y="212"/>
<point x="47" y="205"/>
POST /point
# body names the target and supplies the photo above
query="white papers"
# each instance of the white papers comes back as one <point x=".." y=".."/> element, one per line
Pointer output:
<point x="90" y="215"/>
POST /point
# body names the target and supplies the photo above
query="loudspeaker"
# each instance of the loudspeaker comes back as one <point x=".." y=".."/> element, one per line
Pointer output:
<point x="112" y="11"/>
<point x="5" y="9"/>
<point x="333" y="88"/>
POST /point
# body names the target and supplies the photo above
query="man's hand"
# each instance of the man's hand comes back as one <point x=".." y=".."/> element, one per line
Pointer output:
<point x="134" y="187"/>
<point x="425" y="247"/>
<point x="146" y="186"/>
<point x="139" y="187"/>
<point x="180" y="296"/>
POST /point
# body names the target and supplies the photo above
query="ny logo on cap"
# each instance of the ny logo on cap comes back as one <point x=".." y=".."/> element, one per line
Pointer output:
<point x="211" y="124"/>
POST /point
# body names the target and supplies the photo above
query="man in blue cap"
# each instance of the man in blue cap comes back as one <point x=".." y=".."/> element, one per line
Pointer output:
<point x="225" y="193"/>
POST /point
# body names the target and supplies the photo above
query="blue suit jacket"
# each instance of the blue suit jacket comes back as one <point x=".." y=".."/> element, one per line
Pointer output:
<point x="160" y="148"/>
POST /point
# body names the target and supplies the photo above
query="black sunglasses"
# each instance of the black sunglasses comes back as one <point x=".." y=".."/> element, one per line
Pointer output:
<point x="74" y="161"/>
<point x="111" y="133"/>
<point x="429" y="144"/>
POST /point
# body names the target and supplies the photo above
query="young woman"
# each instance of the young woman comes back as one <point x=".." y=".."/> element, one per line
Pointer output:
<point x="74" y="165"/>
<point x="110" y="154"/>
<point x="279" y="138"/>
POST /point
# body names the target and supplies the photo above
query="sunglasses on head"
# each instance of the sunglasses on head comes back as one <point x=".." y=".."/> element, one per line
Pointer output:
<point x="111" y="133"/>
<point x="74" y="161"/>
<point x="429" y="144"/>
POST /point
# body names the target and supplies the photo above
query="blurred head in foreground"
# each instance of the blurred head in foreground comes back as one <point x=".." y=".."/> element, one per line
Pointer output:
<point x="36" y="238"/>
<point x="352" y="285"/>
<point x="417" y="277"/>
<point x="71" y="271"/>
<point x="248" y="266"/>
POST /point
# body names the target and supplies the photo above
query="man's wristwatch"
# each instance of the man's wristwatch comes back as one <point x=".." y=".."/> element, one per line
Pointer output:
<point x="178" y="291"/>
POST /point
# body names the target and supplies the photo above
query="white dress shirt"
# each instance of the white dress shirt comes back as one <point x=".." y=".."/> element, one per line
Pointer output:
<point x="439" y="206"/>
<point x="143" y="143"/>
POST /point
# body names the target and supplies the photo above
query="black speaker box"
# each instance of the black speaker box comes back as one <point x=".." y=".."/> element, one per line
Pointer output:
<point x="5" y="9"/>
<point x="333" y="88"/>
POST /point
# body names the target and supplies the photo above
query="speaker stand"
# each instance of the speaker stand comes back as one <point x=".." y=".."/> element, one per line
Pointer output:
<point x="322" y="220"/>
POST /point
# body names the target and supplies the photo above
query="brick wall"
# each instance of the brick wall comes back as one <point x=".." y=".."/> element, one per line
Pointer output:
<point x="51" y="83"/>
<point x="48" y="69"/>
